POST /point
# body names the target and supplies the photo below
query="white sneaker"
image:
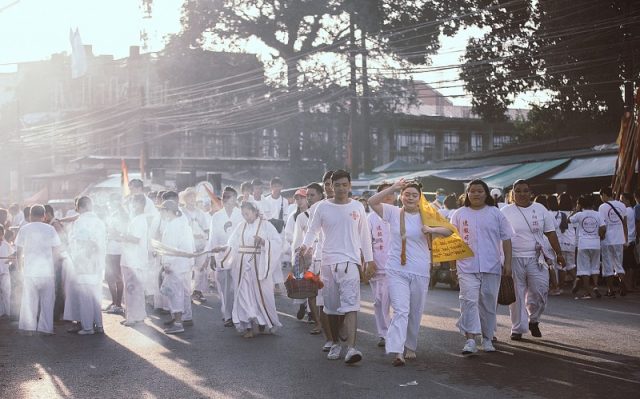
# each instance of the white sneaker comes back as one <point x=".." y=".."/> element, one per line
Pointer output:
<point x="176" y="328"/>
<point x="353" y="356"/>
<point x="327" y="346"/>
<point x="470" y="347"/>
<point x="334" y="352"/>
<point x="487" y="346"/>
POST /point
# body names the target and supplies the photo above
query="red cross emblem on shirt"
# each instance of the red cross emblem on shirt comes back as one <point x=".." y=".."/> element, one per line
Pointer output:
<point x="355" y="215"/>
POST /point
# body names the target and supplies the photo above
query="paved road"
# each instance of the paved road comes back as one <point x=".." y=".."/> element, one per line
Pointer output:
<point x="590" y="349"/>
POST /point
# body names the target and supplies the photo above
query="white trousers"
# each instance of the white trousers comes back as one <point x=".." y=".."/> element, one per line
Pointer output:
<point x="134" y="294"/>
<point x="381" y="303"/>
<point x="407" y="293"/>
<point x="531" y="282"/>
<point x="5" y="294"/>
<point x="478" y="298"/>
<point x="37" y="292"/>
<point x="180" y="298"/>
<point x="224" y="285"/>
<point x="201" y="274"/>
<point x="90" y="301"/>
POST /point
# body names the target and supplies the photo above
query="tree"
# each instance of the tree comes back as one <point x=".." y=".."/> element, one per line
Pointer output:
<point x="580" y="51"/>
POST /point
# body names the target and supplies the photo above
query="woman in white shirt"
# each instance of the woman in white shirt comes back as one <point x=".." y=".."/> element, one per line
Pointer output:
<point x="566" y="231"/>
<point x="531" y="222"/>
<point x="408" y="266"/>
<point x="488" y="233"/>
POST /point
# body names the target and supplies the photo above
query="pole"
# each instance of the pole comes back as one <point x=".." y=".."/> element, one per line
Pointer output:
<point x="364" y="107"/>
<point x="353" y="144"/>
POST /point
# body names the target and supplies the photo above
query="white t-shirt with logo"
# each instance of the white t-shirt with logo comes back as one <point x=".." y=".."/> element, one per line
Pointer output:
<point x="529" y="225"/>
<point x="587" y="223"/>
<point x="37" y="241"/>
<point x="567" y="238"/>
<point x="483" y="230"/>
<point x="417" y="251"/>
<point x="379" y="240"/>
<point x="615" y="228"/>
<point x="135" y="256"/>
<point x="346" y="232"/>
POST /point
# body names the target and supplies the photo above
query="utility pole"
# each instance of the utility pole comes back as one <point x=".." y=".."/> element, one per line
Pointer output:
<point x="353" y="142"/>
<point x="364" y="106"/>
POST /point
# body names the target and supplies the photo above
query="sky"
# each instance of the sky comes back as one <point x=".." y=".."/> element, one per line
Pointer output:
<point x="32" y="30"/>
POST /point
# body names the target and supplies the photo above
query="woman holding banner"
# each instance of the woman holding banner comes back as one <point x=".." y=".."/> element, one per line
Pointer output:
<point x="408" y="265"/>
<point x="488" y="232"/>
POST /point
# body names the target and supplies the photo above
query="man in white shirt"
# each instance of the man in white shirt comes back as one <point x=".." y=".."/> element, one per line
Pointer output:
<point x="380" y="242"/>
<point x="590" y="229"/>
<point x="347" y="240"/>
<point x="38" y="245"/>
<point x="275" y="209"/>
<point x="134" y="260"/>
<point x="198" y="222"/>
<point x="614" y="214"/>
<point x="136" y="186"/>
<point x="223" y="223"/>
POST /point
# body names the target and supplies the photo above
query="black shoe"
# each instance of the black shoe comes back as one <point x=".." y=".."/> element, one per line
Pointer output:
<point x="169" y="322"/>
<point x="301" y="311"/>
<point x="187" y="323"/>
<point x="535" y="330"/>
<point x="228" y="323"/>
<point x="516" y="337"/>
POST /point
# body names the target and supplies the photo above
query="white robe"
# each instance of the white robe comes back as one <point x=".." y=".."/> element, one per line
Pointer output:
<point x="87" y="250"/>
<point x="252" y="268"/>
<point x="220" y="229"/>
<point x="134" y="265"/>
<point x="178" y="235"/>
<point x="200" y="227"/>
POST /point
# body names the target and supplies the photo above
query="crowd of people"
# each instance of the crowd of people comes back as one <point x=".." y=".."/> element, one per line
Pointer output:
<point x="163" y="251"/>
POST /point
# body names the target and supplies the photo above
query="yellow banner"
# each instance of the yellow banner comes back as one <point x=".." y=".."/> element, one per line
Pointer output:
<point x="443" y="249"/>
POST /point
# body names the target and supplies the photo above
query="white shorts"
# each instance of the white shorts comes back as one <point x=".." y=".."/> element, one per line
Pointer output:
<point x="588" y="262"/>
<point x="570" y="261"/>
<point x="341" y="292"/>
<point x="612" y="260"/>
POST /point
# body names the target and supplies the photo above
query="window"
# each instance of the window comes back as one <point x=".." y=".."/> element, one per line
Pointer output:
<point x="414" y="145"/>
<point x="450" y="144"/>
<point x="500" y="141"/>
<point x="476" y="142"/>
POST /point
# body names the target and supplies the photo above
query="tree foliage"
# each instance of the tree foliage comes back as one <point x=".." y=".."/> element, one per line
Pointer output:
<point x="579" y="50"/>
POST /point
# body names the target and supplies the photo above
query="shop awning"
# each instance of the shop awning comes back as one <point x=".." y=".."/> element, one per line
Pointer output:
<point x="583" y="168"/>
<point x="468" y="174"/>
<point x="524" y="171"/>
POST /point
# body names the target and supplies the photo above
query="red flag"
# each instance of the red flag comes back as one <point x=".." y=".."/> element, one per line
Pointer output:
<point x="124" y="179"/>
<point x="216" y="204"/>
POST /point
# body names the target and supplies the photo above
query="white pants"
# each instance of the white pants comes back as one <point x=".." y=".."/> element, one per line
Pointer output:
<point x="201" y="274"/>
<point x="224" y="285"/>
<point x="134" y="294"/>
<point x="588" y="262"/>
<point x="341" y="292"/>
<point x="381" y="303"/>
<point x="5" y="294"/>
<point x="478" y="298"/>
<point x="180" y="298"/>
<point x="90" y="301"/>
<point x="37" y="292"/>
<point x="531" y="282"/>
<point x="612" y="260"/>
<point x="407" y="293"/>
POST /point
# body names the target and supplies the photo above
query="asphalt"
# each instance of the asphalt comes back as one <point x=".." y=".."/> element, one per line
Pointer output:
<point x="589" y="349"/>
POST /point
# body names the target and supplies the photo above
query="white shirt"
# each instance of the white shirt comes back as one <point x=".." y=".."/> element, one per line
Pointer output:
<point x="528" y="224"/>
<point x="615" y="229"/>
<point x="568" y="238"/>
<point x="117" y="223"/>
<point x="135" y="256"/>
<point x="199" y="226"/>
<point x="379" y="240"/>
<point x="5" y="251"/>
<point x="178" y="235"/>
<point x="295" y="230"/>
<point x="346" y="232"/>
<point x="37" y="241"/>
<point x="631" y="224"/>
<point x="417" y="251"/>
<point x="272" y="207"/>
<point x="587" y="223"/>
<point x="483" y="230"/>
<point x="220" y="230"/>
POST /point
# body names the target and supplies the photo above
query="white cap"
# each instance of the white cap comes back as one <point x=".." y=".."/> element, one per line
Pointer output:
<point x="496" y="193"/>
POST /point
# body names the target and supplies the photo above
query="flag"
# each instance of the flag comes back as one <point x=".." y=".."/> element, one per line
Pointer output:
<point x="124" y="179"/>
<point x="216" y="203"/>
<point x="143" y="162"/>
<point x="443" y="249"/>
<point x="78" y="55"/>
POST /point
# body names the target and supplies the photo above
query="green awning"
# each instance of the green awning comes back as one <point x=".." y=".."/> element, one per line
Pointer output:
<point x="523" y="171"/>
<point x="583" y="168"/>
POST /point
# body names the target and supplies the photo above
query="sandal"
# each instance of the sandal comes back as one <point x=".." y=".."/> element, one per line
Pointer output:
<point x="398" y="362"/>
